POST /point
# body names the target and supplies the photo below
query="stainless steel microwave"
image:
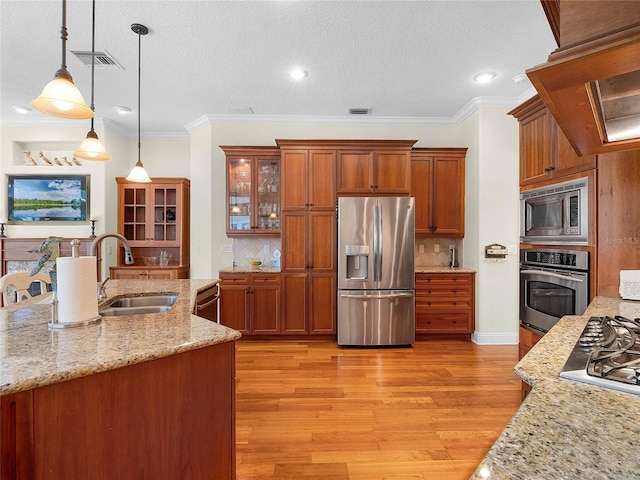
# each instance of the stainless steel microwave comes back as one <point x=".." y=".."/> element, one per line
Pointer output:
<point x="556" y="214"/>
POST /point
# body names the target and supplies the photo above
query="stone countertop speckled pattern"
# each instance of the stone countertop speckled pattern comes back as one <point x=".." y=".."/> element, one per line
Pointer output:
<point x="566" y="429"/>
<point x="33" y="355"/>
<point x="421" y="269"/>
<point x="250" y="269"/>
<point x="418" y="268"/>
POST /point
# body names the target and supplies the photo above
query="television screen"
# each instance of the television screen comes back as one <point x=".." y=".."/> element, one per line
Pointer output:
<point x="46" y="198"/>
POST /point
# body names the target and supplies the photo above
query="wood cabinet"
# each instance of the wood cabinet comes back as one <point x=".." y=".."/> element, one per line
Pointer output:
<point x="154" y="217"/>
<point x="528" y="338"/>
<point x="111" y="424"/>
<point x="445" y="303"/>
<point x="375" y="168"/>
<point x="618" y="219"/>
<point x="545" y="152"/>
<point x="309" y="237"/>
<point x="253" y="191"/>
<point x="250" y="302"/>
<point x="437" y="183"/>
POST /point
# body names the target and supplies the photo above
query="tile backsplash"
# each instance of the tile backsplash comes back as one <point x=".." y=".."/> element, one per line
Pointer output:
<point x="247" y="249"/>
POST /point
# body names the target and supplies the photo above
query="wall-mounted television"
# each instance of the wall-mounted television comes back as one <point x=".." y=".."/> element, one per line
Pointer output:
<point x="48" y="198"/>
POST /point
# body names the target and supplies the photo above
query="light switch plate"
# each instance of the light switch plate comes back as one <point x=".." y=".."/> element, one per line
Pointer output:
<point x="226" y="248"/>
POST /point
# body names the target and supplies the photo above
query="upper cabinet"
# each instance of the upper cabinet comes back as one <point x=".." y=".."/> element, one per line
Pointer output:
<point x="154" y="217"/>
<point x="374" y="167"/>
<point x="591" y="83"/>
<point x="545" y="152"/>
<point x="437" y="183"/>
<point x="253" y="191"/>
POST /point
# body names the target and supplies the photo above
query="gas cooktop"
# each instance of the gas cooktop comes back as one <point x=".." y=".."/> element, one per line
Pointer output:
<point x="607" y="354"/>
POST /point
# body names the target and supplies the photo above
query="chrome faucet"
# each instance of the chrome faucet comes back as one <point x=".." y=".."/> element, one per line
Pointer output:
<point x="128" y="258"/>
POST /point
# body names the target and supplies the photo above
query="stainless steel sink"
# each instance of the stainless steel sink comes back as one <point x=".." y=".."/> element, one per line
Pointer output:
<point x="118" y="311"/>
<point x="139" y="304"/>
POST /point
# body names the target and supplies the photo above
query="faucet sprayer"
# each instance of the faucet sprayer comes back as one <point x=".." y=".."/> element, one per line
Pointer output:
<point x="128" y="256"/>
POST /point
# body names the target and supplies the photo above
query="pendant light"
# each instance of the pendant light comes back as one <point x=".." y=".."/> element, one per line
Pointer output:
<point x="60" y="97"/>
<point x="92" y="148"/>
<point x="139" y="174"/>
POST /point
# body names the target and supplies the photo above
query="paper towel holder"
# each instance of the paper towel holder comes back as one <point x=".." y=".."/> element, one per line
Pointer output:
<point x="54" y="323"/>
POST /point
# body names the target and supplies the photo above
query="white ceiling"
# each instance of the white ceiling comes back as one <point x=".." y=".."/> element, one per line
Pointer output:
<point x="411" y="62"/>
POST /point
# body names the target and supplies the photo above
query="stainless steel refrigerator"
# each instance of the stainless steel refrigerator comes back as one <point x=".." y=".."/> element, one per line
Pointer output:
<point x="376" y="275"/>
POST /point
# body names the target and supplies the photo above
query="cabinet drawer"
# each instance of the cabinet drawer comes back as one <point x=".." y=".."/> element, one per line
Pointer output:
<point x="234" y="277"/>
<point x="444" y="290"/>
<point x="442" y="303"/>
<point x="444" y="279"/>
<point x="268" y="278"/>
<point x="443" y="322"/>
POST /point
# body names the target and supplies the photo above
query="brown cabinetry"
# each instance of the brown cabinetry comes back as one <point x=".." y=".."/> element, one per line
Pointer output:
<point x="250" y="302"/>
<point x="309" y="237"/>
<point x="253" y="191"/>
<point x="154" y="217"/>
<point x="445" y="303"/>
<point x="374" y="167"/>
<point x="111" y="424"/>
<point x="545" y="152"/>
<point x="437" y="183"/>
<point x="528" y="338"/>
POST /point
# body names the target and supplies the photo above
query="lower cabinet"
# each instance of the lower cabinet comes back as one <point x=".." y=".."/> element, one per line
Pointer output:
<point x="250" y="302"/>
<point x="445" y="303"/>
<point x="172" y="417"/>
<point x="158" y="273"/>
<point x="309" y="305"/>
<point x="528" y="338"/>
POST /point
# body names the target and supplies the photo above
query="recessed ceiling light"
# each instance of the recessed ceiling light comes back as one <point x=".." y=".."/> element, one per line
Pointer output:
<point x="297" y="73"/>
<point x="21" y="109"/>
<point x="484" y="77"/>
<point x="519" y="78"/>
<point x="122" y="110"/>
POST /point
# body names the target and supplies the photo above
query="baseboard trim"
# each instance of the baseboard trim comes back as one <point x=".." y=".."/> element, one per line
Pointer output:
<point x="495" y="338"/>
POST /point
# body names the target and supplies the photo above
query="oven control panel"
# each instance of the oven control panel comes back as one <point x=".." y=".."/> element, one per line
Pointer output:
<point x="573" y="259"/>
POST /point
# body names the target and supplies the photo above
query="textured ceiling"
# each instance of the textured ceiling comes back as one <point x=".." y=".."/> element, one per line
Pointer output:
<point x="410" y="62"/>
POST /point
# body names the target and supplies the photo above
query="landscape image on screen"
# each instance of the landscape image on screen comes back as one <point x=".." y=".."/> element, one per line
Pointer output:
<point x="47" y="198"/>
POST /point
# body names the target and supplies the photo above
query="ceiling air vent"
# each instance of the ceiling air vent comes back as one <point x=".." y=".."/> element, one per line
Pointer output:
<point x="240" y="110"/>
<point x="359" y="111"/>
<point x="102" y="59"/>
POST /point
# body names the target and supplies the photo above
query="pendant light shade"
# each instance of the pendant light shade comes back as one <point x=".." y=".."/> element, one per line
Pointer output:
<point x="60" y="97"/>
<point x="92" y="148"/>
<point x="139" y="174"/>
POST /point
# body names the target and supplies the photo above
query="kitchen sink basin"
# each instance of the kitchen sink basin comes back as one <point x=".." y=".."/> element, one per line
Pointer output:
<point x="139" y="305"/>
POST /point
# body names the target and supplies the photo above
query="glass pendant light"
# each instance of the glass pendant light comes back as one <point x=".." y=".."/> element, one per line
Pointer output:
<point x="92" y="148"/>
<point x="60" y="97"/>
<point x="139" y="174"/>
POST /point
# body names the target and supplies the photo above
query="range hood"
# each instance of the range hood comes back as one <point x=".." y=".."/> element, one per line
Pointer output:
<point x="591" y="84"/>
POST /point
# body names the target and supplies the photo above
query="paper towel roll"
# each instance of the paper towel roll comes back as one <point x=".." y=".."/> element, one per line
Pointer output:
<point x="77" y="294"/>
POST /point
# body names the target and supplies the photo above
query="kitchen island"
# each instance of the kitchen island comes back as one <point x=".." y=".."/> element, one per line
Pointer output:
<point x="566" y="429"/>
<point x="144" y="396"/>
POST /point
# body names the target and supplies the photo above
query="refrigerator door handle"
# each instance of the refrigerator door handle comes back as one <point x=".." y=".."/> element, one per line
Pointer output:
<point x="377" y="243"/>
<point x="375" y="297"/>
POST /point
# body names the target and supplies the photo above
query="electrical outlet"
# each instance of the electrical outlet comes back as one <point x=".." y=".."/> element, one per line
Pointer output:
<point x="512" y="249"/>
<point x="421" y="248"/>
<point x="451" y="247"/>
<point x="110" y="250"/>
<point x="267" y="248"/>
<point x="226" y="248"/>
<point x="436" y="248"/>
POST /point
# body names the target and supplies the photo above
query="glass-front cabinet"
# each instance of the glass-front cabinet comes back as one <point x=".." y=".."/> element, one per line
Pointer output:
<point x="253" y="191"/>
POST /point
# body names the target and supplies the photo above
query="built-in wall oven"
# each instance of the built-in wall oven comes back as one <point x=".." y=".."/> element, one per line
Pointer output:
<point x="553" y="283"/>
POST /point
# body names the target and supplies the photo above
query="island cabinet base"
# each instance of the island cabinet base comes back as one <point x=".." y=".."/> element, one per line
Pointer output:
<point x="168" y="418"/>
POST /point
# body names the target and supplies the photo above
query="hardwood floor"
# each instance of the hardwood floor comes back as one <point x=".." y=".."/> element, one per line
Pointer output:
<point x="314" y="411"/>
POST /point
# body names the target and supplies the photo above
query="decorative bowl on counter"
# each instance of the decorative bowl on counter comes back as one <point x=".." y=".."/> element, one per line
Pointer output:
<point x="150" y="260"/>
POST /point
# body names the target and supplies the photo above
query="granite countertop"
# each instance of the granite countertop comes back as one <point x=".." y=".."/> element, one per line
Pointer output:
<point x="423" y="269"/>
<point x="566" y="429"/>
<point x="33" y="355"/>
<point x="418" y="268"/>
<point x="249" y="269"/>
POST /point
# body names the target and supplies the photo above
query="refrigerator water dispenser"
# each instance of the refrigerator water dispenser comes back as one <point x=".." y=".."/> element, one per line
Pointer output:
<point x="357" y="262"/>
